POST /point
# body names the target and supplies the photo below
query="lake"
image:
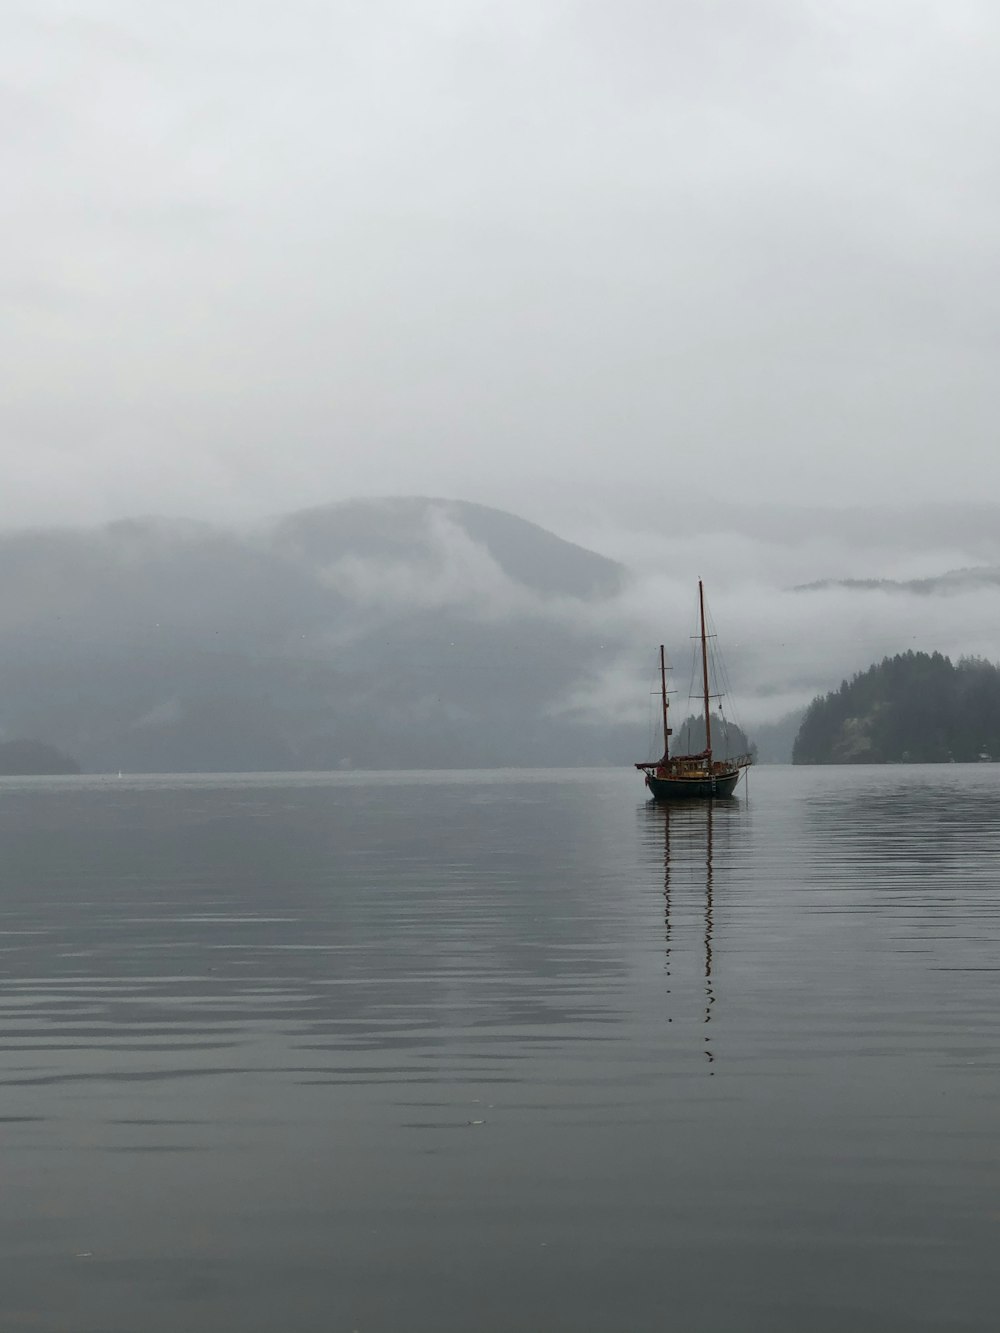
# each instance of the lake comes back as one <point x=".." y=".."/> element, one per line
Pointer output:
<point x="506" y="1052"/>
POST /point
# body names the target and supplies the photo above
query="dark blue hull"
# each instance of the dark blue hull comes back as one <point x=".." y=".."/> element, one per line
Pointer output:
<point x="719" y="785"/>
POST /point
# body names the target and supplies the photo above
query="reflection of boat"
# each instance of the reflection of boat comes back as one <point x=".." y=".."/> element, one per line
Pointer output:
<point x="684" y="872"/>
<point x="687" y="776"/>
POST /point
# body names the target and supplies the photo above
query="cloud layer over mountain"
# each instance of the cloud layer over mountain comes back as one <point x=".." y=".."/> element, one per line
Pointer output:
<point x="429" y="632"/>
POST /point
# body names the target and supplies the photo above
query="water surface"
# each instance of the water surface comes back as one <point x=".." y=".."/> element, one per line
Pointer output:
<point x="511" y="1052"/>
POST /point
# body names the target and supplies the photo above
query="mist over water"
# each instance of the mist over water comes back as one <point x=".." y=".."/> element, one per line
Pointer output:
<point x="516" y="1050"/>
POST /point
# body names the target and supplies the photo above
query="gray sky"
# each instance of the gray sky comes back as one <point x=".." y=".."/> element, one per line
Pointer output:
<point x="258" y="256"/>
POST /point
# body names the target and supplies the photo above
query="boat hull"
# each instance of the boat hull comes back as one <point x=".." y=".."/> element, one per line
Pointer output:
<point x="717" y="787"/>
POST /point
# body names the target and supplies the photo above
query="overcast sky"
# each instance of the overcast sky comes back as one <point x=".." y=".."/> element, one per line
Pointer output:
<point x="258" y="256"/>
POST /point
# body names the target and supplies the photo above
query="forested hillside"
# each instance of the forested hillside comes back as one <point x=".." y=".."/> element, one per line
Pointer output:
<point x="912" y="708"/>
<point x="728" y="739"/>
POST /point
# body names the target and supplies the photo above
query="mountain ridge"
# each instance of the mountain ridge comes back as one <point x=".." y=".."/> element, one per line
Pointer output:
<point x="419" y="639"/>
<point x="952" y="581"/>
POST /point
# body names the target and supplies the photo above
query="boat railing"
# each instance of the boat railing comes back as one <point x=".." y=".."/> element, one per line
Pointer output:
<point x="739" y="761"/>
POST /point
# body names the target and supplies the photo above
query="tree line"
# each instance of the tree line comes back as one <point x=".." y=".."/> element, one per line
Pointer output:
<point x="915" y="707"/>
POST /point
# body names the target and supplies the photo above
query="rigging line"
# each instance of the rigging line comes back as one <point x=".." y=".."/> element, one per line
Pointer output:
<point x="695" y="647"/>
<point x="729" y="684"/>
<point x="694" y="667"/>
<point x="734" y="709"/>
<point x="649" y="722"/>
<point x="722" y="680"/>
<point x="652" y="720"/>
<point x="730" y="725"/>
<point x="725" y="680"/>
<point x="723" y="670"/>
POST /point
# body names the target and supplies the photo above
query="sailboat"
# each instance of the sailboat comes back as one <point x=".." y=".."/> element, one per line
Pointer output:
<point x="700" y="776"/>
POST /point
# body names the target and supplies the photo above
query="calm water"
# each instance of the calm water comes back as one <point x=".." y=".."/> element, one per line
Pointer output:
<point x="500" y="1053"/>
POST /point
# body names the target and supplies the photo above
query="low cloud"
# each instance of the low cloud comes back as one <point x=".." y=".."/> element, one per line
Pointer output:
<point x="453" y="571"/>
<point x="778" y="647"/>
<point x="781" y="647"/>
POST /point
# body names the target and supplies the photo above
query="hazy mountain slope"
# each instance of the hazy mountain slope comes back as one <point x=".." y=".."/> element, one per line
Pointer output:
<point x="411" y="528"/>
<point x="409" y="632"/>
<point x="34" y="758"/>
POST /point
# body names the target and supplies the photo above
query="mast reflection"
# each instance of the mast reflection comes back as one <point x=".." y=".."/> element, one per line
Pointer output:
<point x="665" y="811"/>
<point x="709" y="993"/>
<point x="685" y="829"/>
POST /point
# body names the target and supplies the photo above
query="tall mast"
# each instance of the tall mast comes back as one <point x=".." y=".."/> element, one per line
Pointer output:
<point x="704" y="670"/>
<point x="663" y="695"/>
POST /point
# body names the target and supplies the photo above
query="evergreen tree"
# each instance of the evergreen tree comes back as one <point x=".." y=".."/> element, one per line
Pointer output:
<point x="728" y="740"/>
<point x="912" y="708"/>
